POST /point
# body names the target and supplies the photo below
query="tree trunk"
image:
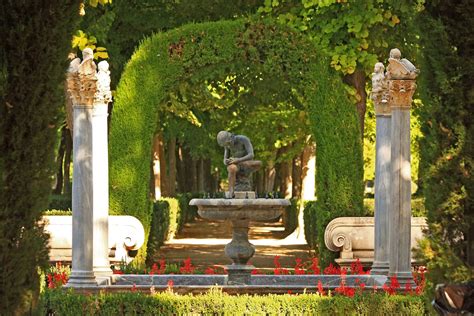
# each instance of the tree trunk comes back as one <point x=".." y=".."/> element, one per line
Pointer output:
<point x="270" y="177"/>
<point x="181" y="169"/>
<point x="172" y="167"/>
<point x="296" y="171"/>
<point x="260" y="182"/>
<point x="163" y="167"/>
<point x="286" y="185"/>
<point x="60" y="162"/>
<point x="208" y="187"/>
<point x="308" y="162"/>
<point x="200" y="175"/>
<point x="156" y="167"/>
<point x="357" y="80"/>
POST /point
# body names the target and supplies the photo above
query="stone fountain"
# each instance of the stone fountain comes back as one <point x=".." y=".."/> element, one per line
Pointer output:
<point x="240" y="205"/>
<point x="240" y="212"/>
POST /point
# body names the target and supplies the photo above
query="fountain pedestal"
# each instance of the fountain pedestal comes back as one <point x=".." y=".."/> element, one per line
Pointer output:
<point x="240" y="212"/>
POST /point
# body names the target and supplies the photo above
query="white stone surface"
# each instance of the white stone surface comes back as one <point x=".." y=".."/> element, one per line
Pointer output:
<point x="82" y="221"/>
<point x="125" y="233"/>
<point x="100" y="178"/>
<point x="353" y="237"/>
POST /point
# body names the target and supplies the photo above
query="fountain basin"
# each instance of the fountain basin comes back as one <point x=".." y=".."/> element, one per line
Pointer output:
<point x="240" y="212"/>
<point x="240" y="209"/>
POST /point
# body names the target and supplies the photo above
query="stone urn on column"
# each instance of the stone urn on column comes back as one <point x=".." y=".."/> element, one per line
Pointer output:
<point x="401" y="75"/>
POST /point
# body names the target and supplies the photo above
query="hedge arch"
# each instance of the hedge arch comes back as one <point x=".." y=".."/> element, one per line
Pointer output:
<point x="199" y="51"/>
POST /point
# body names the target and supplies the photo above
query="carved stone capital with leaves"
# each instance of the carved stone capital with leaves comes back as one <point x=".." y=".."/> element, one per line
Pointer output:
<point x="401" y="93"/>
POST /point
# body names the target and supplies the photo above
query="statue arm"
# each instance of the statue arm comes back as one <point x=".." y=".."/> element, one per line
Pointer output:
<point x="248" y="149"/>
<point x="226" y="155"/>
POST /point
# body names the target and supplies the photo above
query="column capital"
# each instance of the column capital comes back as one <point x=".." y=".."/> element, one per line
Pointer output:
<point x="401" y="93"/>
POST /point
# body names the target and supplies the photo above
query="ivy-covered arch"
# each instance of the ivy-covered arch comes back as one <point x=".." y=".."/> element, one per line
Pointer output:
<point x="215" y="49"/>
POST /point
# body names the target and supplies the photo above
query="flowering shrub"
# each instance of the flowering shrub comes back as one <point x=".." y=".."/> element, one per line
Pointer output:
<point x="58" y="275"/>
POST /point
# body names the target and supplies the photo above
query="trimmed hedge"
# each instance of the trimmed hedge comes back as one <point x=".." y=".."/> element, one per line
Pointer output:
<point x="290" y="216"/>
<point x="168" y="218"/>
<point x="417" y="207"/>
<point x="198" y="52"/>
<point x="217" y="303"/>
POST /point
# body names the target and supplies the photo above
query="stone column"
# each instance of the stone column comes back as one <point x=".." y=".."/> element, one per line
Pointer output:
<point x="401" y="76"/>
<point x="100" y="174"/>
<point x="82" y="88"/>
<point x="382" y="171"/>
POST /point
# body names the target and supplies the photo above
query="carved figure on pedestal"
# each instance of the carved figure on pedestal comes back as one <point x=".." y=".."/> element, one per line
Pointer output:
<point x="380" y="88"/>
<point x="238" y="157"/>
<point x="400" y="68"/>
<point x="103" y="94"/>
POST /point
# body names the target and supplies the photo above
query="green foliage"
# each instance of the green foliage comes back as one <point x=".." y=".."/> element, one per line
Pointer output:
<point x="135" y="20"/>
<point x="353" y="33"/>
<point x="290" y="215"/>
<point x="310" y="223"/>
<point x="446" y="149"/>
<point x="253" y="52"/>
<point x="169" y="216"/>
<point x="417" y="207"/>
<point x="60" y="202"/>
<point x="35" y="40"/>
<point x="339" y="161"/>
<point x="217" y="303"/>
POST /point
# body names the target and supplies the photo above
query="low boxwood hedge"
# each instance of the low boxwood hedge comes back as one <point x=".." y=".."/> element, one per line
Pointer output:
<point x="60" y="302"/>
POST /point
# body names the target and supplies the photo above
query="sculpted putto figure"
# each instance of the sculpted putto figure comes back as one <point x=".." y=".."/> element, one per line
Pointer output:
<point x="400" y="68"/>
<point x="103" y="83"/>
<point x="238" y="157"/>
<point x="379" y="84"/>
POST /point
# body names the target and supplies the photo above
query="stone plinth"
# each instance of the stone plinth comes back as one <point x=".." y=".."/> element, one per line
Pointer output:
<point x="353" y="238"/>
<point x="126" y="234"/>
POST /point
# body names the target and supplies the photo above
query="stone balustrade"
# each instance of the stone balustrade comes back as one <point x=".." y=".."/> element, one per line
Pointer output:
<point x="126" y="235"/>
<point x="353" y="238"/>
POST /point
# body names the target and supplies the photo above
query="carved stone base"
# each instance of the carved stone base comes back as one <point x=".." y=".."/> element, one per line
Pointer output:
<point x="244" y="195"/>
<point x="239" y="274"/>
<point x="240" y="250"/>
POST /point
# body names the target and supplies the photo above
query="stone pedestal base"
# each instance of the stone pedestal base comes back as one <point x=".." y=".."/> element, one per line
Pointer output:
<point x="239" y="274"/>
<point x="404" y="279"/>
<point x="81" y="278"/>
<point x="244" y="195"/>
<point x="380" y="268"/>
<point x="240" y="250"/>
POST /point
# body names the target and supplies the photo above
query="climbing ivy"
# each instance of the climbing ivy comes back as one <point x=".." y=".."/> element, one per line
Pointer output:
<point x="273" y="65"/>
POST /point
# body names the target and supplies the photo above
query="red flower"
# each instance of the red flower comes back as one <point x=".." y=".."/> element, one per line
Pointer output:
<point x="134" y="288"/>
<point x="320" y="287"/>
<point x="187" y="268"/>
<point x="210" y="270"/>
<point x="170" y="283"/>
<point x="256" y="271"/>
<point x="314" y="266"/>
<point x="299" y="267"/>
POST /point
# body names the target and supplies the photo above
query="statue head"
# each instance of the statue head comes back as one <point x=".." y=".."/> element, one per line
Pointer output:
<point x="103" y="66"/>
<point x="379" y="68"/>
<point x="87" y="54"/>
<point x="395" y="53"/>
<point x="224" y="138"/>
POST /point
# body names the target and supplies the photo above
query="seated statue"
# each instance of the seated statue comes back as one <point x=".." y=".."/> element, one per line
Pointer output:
<point x="400" y="68"/>
<point x="238" y="157"/>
